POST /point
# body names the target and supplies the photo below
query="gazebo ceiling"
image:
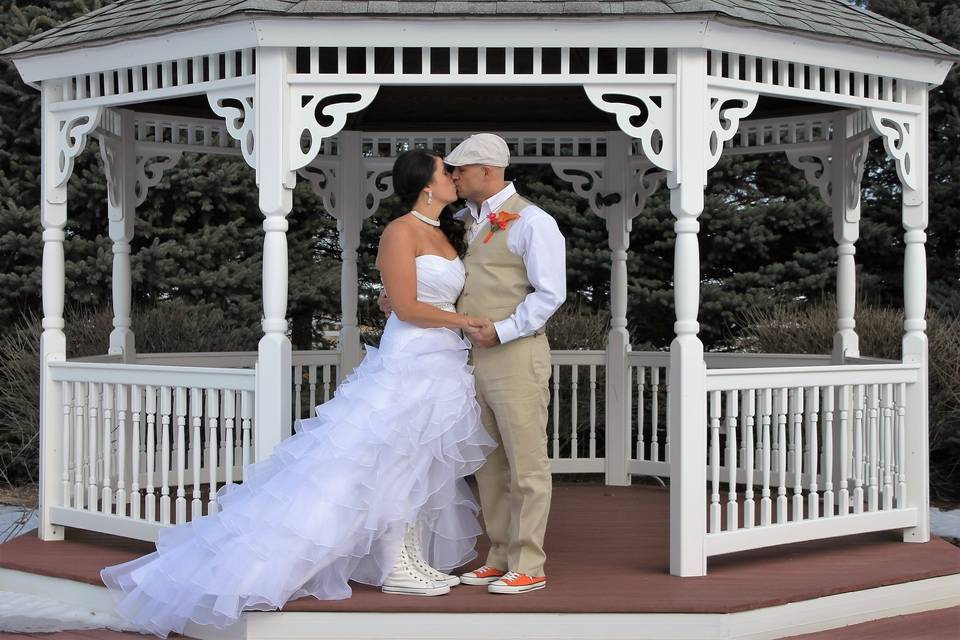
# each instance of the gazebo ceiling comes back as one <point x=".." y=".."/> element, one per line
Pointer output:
<point x="135" y="19"/>
<point x="506" y="108"/>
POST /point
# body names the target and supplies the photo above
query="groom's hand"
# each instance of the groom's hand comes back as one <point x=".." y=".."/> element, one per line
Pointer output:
<point x="383" y="301"/>
<point x="483" y="334"/>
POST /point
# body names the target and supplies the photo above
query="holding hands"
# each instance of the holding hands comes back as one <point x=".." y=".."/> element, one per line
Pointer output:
<point x="481" y="331"/>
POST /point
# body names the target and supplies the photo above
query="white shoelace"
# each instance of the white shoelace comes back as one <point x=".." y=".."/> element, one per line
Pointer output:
<point x="510" y="575"/>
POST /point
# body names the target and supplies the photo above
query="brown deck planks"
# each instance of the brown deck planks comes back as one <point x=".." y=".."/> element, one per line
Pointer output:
<point x="607" y="552"/>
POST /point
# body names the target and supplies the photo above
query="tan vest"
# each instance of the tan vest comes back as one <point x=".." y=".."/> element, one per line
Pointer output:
<point x="496" y="279"/>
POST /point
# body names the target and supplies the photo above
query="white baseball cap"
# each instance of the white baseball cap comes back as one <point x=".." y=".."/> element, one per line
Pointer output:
<point x="480" y="148"/>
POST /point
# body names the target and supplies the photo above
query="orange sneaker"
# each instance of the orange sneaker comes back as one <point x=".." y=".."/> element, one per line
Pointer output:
<point x="482" y="576"/>
<point x="514" y="582"/>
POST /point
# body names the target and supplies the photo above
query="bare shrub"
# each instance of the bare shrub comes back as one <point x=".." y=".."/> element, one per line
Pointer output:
<point x="810" y="329"/>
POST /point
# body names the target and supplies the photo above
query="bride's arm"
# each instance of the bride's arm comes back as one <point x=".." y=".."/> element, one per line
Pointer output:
<point x="396" y="260"/>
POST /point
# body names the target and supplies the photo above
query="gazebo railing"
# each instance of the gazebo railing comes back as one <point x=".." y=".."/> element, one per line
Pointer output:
<point x="575" y="428"/>
<point x="801" y="453"/>
<point x="134" y="438"/>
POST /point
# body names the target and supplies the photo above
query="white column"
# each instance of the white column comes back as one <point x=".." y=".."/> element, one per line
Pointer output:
<point x="53" y="344"/>
<point x="275" y="182"/>
<point x="845" y="203"/>
<point x="688" y="455"/>
<point x="350" y="207"/>
<point x="122" y="216"/>
<point x="617" y="216"/>
<point x="914" y="345"/>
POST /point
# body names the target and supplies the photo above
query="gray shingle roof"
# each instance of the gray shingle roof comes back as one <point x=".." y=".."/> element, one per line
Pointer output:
<point x="127" y="19"/>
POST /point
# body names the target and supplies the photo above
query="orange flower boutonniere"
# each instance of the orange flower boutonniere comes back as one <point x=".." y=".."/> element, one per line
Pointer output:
<point x="499" y="222"/>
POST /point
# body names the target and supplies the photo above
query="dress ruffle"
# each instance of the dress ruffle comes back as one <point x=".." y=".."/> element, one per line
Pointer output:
<point x="331" y="503"/>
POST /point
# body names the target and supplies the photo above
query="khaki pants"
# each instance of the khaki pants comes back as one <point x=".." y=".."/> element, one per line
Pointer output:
<point x="515" y="482"/>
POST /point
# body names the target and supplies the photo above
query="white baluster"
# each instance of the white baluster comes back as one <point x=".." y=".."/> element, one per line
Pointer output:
<point x="666" y="427"/>
<point x="166" y="410"/>
<point x="901" y="446"/>
<point x="151" y="410"/>
<point x="858" y="450"/>
<point x="120" y="498"/>
<point x="715" y="461"/>
<point x="796" y="422"/>
<point x="641" y="438"/>
<point x="765" y="411"/>
<point x="748" y="398"/>
<point x="328" y="385"/>
<point x="106" y="488"/>
<point x="136" y="419"/>
<point x="654" y="413"/>
<point x="873" y="460"/>
<point x="181" y="411"/>
<point x="93" y="410"/>
<point x="246" y="415"/>
<point x="843" y="503"/>
<point x="196" y="448"/>
<point x="888" y="411"/>
<point x="733" y="412"/>
<point x="556" y="412"/>
<point x="312" y="369"/>
<point x="229" y="414"/>
<point x="828" y="399"/>
<point x="297" y="386"/>
<point x="66" y="395"/>
<point x="593" y="411"/>
<point x="813" y="409"/>
<point x="574" y="398"/>
<point x="782" y="408"/>
<point x="80" y="397"/>
<point x="213" y="416"/>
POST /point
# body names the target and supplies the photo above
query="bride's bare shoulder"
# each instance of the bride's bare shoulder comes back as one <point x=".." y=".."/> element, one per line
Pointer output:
<point x="399" y="234"/>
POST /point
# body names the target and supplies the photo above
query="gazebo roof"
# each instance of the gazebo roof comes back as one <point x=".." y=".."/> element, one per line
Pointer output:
<point x="131" y="19"/>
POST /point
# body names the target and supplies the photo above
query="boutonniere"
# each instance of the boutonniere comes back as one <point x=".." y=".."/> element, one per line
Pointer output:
<point x="498" y="222"/>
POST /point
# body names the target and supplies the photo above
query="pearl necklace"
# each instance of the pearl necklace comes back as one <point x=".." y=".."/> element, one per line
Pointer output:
<point x="430" y="221"/>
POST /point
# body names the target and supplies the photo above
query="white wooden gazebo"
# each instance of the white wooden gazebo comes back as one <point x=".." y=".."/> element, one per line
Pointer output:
<point x="617" y="97"/>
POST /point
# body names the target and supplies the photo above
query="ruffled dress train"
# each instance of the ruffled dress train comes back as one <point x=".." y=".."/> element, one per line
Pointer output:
<point x="332" y="502"/>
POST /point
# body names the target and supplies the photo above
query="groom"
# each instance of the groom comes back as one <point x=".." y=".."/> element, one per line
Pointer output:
<point x="516" y="277"/>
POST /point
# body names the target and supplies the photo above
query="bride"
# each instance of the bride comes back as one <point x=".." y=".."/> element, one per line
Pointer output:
<point x="372" y="489"/>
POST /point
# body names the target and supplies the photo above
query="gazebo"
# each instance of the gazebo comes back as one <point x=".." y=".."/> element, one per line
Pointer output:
<point x="618" y="97"/>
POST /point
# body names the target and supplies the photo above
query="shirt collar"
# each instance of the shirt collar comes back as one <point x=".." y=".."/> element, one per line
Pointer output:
<point x="493" y="203"/>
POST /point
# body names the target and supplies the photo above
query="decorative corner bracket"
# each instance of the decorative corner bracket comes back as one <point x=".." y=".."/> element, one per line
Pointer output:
<point x="899" y="133"/>
<point x="644" y="112"/>
<point x="73" y="129"/>
<point x="150" y="171"/>
<point x="320" y="111"/>
<point x="241" y="120"/>
<point x="816" y="170"/>
<point x="724" y="118"/>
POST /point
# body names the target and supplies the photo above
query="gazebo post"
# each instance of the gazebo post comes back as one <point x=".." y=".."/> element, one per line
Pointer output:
<point x="617" y="216"/>
<point x="276" y="183"/>
<point x="916" y="465"/>
<point x="53" y="343"/>
<point x="121" y="212"/>
<point x="350" y="179"/>
<point x="688" y="477"/>
<point x="847" y="169"/>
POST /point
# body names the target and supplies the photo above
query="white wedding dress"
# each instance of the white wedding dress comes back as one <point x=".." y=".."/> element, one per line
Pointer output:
<point x="332" y="502"/>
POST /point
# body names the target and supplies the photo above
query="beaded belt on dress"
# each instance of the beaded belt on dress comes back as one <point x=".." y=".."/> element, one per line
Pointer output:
<point x="445" y="306"/>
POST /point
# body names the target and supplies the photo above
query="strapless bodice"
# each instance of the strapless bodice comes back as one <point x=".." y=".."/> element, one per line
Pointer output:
<point x="439" y="280"/>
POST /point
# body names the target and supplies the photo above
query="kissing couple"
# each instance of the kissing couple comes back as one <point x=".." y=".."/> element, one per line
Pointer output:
<point x="372" y="489"/>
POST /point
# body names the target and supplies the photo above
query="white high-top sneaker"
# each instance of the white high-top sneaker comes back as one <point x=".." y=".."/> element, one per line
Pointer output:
<point x="406" y="580"/>
<point x="411" y="540"/>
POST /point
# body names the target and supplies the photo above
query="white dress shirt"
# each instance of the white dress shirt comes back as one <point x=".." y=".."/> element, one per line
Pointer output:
<point x="536" y="238"/>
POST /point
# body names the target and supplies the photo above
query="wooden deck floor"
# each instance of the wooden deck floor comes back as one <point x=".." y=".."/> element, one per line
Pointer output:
<point x="607" y="552"/>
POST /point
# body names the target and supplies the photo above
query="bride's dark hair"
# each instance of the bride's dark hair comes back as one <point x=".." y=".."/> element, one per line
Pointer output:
<point x="412" y="171"/>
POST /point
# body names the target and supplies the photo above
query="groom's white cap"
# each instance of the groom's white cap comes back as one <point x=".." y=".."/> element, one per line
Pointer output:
<point x="480" y="148"/>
